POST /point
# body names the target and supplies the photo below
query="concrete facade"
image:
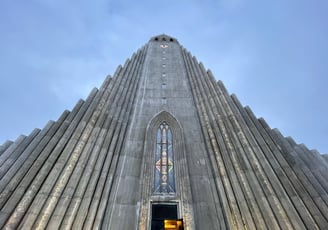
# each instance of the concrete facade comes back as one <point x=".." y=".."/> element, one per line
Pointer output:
<point x="94" y="167"/>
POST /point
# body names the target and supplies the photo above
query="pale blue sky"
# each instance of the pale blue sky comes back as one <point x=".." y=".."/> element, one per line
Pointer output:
<point x="272" y="54"/>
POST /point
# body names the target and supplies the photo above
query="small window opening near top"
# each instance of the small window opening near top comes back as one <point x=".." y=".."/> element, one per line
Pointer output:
<point x="156" y="39"/>
<point x="164" y="100"/>
<point x="164" y="46"/>
<point x="171" y="39"/>
<point x="164" y="39"/>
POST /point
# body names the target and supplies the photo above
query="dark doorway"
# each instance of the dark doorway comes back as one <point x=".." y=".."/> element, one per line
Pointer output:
<point x="160" y="212"/>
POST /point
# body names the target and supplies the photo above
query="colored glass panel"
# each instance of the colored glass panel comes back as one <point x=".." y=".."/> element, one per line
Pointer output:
<point x="164" y="166"/>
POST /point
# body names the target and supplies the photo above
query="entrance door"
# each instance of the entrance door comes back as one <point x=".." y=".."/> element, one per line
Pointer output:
<point x="160" y="212"/>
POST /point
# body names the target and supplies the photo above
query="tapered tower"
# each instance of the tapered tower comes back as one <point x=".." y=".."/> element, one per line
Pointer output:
<point x="161" y="140"/>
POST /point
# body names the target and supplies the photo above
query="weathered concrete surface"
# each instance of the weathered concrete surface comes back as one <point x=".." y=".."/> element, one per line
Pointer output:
<point x="93" y="168"/>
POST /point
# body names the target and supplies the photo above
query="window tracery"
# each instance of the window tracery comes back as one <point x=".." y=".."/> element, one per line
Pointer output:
<point x="164" y="166"/>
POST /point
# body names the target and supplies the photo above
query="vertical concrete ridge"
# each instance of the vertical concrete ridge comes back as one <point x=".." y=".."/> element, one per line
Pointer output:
<point x="240" y="185"/>
<point x="253" y="157"/>
<point x="222" y="183"/>
<point x="17" y="157"/>
<point x="115" y="117"/>
<point x="280" y="166"/>
<point x="46" y="160"/>
<point x="281" y="183"/>
<point x="19" y="143"/>
<point x="323" y="208"/>
<point x="94" y="167"/>
<point x="4" y="146"/>
<point x="312" y="169"/>
<point x="24" y="177"/>
<point x="128" y="102"/>
<point x="79" y="159"/>
<point x="11" y="165"/>
<point x="293" y="170"/>
<point x="58" y="188"/>
<point x="264" y="158"/>
<point x="325" y="156"/>
<point x="315" y="163"/>
<point x="15" y="174"/>
<point x="214" y="129"/>
<point x="305" y="174"/>
<point x="58" y="177"/>
<point x="249" y="180"/>
<point x="71" y="191"/>
<point x="298" y="158"/>
<point x="11" y="148"/>
<point x="278" y="200"/>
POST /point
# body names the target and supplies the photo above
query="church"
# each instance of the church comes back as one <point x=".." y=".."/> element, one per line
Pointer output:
<point x="161" y="145"/>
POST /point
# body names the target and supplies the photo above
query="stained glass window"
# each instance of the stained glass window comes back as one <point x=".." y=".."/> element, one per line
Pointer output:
<point x="164" y="167"/>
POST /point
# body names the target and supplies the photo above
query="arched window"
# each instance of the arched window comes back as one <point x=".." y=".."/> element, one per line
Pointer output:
<point x="164" y="166"/>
